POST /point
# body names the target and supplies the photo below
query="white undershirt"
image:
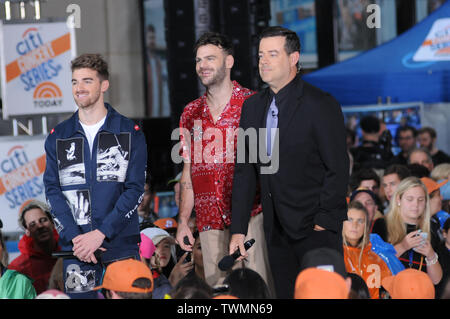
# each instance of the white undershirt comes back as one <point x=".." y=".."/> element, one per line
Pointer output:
<point x="91" y="131"/>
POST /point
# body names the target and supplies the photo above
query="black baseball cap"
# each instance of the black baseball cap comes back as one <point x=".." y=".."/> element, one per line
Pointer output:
<point x="363" y="190"/>
<point x="326" y="259"/>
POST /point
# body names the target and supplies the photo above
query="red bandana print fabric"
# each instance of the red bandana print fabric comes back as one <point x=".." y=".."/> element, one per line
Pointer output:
<point x="212" y="157"/>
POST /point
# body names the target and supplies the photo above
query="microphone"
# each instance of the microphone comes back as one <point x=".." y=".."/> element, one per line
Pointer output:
<point x="69" y="254"/>
<point x="228" y="261"/>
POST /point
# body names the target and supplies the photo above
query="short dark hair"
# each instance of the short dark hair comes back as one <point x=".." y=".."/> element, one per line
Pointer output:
<point x="359" y="289"/>
<point x="192" y="287"/>
<point x="401" y="170"/>
<point x="246" y="283"/>
<point x="418" y="170"/>
<point x="217" y="39"/>
<point x="407" y="128"/>
<point x="143" y="283"/>
<point x="292" y="43"/>
<point x="93" y="61"/>
<point x="431" y="131"/>
<point x="363" y="174"/>
<point x="370" y="124"/>
<point x="32" y="205"/>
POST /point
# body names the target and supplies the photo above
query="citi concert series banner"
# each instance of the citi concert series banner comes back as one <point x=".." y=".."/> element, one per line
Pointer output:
<point x="35" y="68"/>
<point x="22" y="165"/>
<point x="436" y="47"/>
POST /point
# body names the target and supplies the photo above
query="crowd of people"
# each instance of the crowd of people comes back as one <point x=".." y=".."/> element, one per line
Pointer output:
<point x="396" y="244"/>
<point x="326" y="220"/>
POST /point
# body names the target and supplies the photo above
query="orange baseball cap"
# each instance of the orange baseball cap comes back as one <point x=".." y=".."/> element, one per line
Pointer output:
<point x="409" y="284"/>
<point x="120" y="275"/>
<point x="315" y="283"/>
<point x="431" y="185"/>
<point x="166" y="223"/>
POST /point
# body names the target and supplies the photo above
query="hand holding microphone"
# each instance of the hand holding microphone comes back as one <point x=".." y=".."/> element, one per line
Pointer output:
<point x="228" y="261"/>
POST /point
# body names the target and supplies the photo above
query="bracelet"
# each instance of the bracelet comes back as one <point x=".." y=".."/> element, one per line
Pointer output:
<point x="432" y="261"/>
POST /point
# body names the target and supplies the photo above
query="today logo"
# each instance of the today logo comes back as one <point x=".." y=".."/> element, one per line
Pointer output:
<point x="47" y="94"/>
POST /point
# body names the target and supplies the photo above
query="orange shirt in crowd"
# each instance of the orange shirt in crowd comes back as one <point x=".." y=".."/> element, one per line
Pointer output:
<point x="373" y="269"/>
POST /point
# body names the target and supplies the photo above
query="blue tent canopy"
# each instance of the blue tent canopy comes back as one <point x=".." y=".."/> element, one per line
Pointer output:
<point x="389" y="70"/>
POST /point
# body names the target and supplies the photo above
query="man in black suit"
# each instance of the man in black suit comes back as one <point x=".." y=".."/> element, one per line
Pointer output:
<point x="304" y="184"/>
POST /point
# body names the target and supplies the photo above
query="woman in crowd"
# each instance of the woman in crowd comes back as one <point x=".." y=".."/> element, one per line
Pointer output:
<point x="162" y="249"/>
<point x="408" y="224"/>
<point x="358" y="255"/>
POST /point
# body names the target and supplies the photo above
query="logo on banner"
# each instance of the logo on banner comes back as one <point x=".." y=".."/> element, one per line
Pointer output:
<point x="47" y="94"/>
<point x="19" y="177"/>
<point x="436" y="46"/>
<point x="35" y="64"/>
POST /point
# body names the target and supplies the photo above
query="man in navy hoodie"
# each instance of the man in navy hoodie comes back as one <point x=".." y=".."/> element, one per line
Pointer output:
<point x="94" y="180"/>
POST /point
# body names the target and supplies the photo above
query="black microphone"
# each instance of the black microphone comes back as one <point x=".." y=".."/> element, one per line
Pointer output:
<point x="69" y="254"/>
<point x="228" y="261"/>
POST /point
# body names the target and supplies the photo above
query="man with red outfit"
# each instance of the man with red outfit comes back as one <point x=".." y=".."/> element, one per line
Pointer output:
<point x="37" y="245"/>
<point x="208" y="138"/>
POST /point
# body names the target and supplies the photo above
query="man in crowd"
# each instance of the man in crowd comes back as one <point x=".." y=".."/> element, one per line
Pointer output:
<point x="406" y="140"/>
<point x="371" y="153"/>
<point x="304" y="175"/>
<point x="393" y="175"/>
<point x="422" y="157"/>
<point x="37" y="245"/>
<point x="366" y="178"/>
<point x="427" y="139"/>
<point x="94" y="203"/>
<point x="206" y="180"/>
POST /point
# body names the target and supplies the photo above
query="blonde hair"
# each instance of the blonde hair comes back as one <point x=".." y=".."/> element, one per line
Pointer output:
<point x="364" y="240"/>
<point x="396" y="227"/>
<point x="441" y="171"/>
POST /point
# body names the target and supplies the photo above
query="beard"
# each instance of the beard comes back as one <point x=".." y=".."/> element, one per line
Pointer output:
<point x="217" y="77"/>
<point x="428" y="147"/>
<point x="43" y="235"/>
<point x="88" y="102"/>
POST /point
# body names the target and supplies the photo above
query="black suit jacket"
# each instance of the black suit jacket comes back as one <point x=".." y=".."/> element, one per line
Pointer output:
<point x="310" y="185"/>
